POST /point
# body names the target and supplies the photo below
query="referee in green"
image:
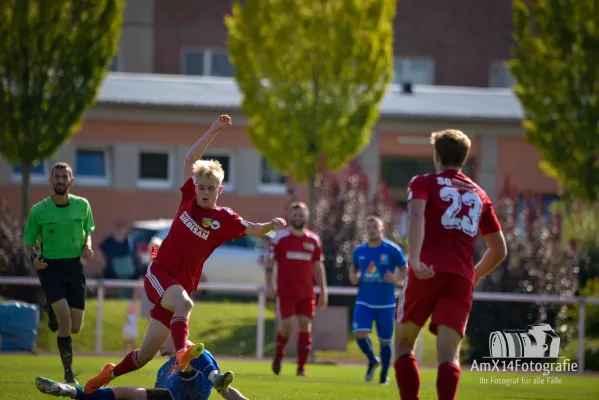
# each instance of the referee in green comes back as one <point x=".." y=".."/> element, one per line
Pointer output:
<point x="62" y="223"/>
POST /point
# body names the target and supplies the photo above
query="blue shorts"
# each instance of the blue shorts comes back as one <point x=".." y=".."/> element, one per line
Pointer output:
<point x="364" y="316"/>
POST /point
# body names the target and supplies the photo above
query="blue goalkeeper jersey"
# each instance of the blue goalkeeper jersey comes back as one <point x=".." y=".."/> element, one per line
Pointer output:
<point x="187" y="386"/>
<point x="373" y="263"/>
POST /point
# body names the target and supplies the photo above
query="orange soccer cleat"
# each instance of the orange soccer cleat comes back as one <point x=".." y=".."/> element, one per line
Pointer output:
<point x="100" y="380"/>
<point x="184" y="357"/>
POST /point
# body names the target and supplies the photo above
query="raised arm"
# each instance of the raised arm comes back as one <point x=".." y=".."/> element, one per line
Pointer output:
<point x="197" y="150"/>
<point x="258" y="229"/>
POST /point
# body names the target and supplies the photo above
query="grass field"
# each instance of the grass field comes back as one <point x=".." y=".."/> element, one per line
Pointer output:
<point x="254" y="379"/>
<point x="229" y="327"/>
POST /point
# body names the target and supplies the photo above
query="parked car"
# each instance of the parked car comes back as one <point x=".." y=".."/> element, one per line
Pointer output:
<point x="237" y="261"/>
<point x="140" y="236"/>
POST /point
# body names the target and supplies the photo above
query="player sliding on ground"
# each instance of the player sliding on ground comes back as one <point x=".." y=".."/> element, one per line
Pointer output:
<point x="199" y="227"/>
<point x="195" y="383"/>
<point x="445" y="213"/>
<point x="377" y="266"/>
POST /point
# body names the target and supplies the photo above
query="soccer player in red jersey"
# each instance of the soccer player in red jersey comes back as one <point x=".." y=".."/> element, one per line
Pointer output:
<point x="298" y="254"/>
<point x="200" y="226"/>
<point x="446" y="211"/>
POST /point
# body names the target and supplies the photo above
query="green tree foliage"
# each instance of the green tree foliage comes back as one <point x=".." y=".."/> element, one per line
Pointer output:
<point x="556" y="65"/>
<point x="312" y="74"/>
<point x="53" y="57"/>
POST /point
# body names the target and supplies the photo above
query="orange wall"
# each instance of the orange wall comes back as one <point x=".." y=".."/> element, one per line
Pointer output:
<point x="153" y="132"/>
<point x="390" y="146"/>
<point x="518" y="162"/>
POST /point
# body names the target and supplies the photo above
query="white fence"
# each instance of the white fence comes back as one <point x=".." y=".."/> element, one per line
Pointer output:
<point x="259" y="291"/>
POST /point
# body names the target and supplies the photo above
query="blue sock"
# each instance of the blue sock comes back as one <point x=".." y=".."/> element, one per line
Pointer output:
<point x="204" y="364"/>
<point x="366" y="347"/>
<point x="385" y="359"/>
<point x="100" y="394"/>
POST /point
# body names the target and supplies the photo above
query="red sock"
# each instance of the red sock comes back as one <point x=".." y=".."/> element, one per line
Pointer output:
<point x="407" y="377"/>
<point x="179" y="332"/>
<point x="281" y="343"/>
<point x="129" y="364"/>
<point x="304" y="345"/>
<point x="448" y="377"/>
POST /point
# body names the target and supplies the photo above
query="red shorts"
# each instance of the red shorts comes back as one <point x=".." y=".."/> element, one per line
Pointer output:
<point x="291" y="306"/>
<point x="447" y="297"/>
<point x="156" y="281"/>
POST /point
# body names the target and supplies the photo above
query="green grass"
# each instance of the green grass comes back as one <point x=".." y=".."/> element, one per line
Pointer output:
<point x="227" y="327"/>
<point x="254" y="379"/>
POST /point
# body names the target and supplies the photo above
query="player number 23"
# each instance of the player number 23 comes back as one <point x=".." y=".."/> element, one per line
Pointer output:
<point x="467" y="223"/>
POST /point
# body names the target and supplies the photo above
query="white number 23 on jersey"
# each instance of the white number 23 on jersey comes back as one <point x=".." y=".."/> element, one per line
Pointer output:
<point x="467" y="223"/>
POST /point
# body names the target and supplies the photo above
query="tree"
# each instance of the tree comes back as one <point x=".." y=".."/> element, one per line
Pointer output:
<point x="556" y="66"/>
<point x="312" y="74"/>
<point x="53" y="56"/>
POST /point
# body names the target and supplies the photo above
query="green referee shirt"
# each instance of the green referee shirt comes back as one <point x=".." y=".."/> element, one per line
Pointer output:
<point x="62" y="230"/>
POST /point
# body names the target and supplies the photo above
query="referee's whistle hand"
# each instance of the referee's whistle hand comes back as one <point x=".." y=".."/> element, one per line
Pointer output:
<point x="87" y="254"/>
<point x="39" y="263"/>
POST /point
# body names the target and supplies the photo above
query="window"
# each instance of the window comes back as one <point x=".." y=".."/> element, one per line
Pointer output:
<point x="92" y="167"/>
<point x="193" y="63"/>
<point x="39" y="173"/>
<point x="271" y="180"/>
<point x="206" y="62"/>
<point x="397" y="172"/>
<point x="155" y="169"/>
<point x="220" y="65"/>
<point x="226" y="161"/>
<point x="500" y="75"/>
<point x="419" y="71"/>
<point x="114" y="65"/>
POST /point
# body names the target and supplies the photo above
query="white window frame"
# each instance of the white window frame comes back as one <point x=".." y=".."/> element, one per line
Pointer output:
<point x="85" y="180"/>
<point x="270" y="187"/>
<point x="405" y="63"/>
<point x="208" y="53"/>
<point x="36" y="179"/>
<point x="153" y="184"/>
<point x="230" y="185"/>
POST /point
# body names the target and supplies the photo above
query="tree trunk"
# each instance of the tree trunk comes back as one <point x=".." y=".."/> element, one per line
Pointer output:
<point x="25" y="178"/>
<point x="312" y="200"/>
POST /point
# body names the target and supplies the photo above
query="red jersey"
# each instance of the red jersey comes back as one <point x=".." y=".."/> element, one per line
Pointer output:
<point x="295" y="257"/>
<point x="456" y="210"/>
<point x="194" y="234"/>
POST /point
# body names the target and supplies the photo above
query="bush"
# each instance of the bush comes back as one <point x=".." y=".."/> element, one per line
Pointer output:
<point x="536" y="263"/>
<point x="13" y="261"/>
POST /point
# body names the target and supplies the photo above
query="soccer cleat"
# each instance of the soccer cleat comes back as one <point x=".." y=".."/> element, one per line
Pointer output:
<point x="184" y="357"/>
<point x="276" y="365"/>
<point x="100" y="380"/>
<point x="301" y="372"/>
<point x="370" y="371"/>
<point x="223" y="381"/>
<point x="71" y="380"/>
<point x="52" y="321"/>
<point x="384" y="381"/>
<point x="48" y="386"/>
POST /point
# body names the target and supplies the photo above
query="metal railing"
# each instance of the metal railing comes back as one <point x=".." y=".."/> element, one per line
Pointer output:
<point x="259" y="291"/>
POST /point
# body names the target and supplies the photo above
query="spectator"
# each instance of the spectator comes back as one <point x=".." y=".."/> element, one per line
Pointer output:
<point x="119" y="256"/>
<point x="130" y="329"/>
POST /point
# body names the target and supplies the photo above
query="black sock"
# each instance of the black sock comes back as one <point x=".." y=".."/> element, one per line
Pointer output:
<point x="65" y="347"/>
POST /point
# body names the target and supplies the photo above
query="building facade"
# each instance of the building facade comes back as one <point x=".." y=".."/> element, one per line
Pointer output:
<point x="463" y="43"/>
<point x="128" y="156"/>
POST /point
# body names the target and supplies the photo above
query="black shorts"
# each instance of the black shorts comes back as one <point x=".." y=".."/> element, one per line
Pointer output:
<point x="64" y="279"/>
